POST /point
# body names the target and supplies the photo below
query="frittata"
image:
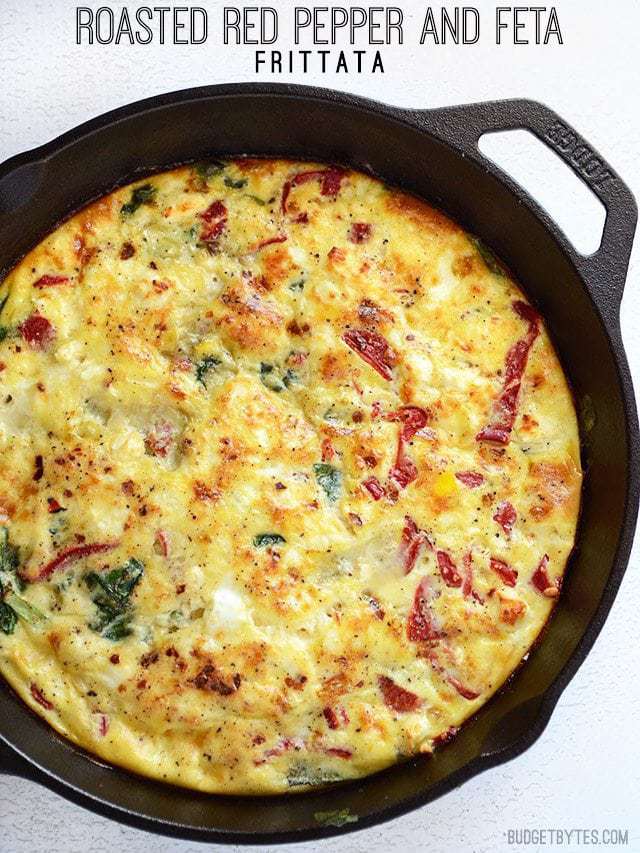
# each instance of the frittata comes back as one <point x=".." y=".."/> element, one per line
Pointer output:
<point x="289" y="476"/>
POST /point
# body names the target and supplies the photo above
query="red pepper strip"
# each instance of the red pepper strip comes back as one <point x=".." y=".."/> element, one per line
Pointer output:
<point x="506" y="517"/>
<point x="40" y="698"/>
<point x="50" y="280"/>
<point x="471" y="479"/>
<point x="422" y="622"/>
<point x="373" y="349"/>
<point x="410" y="544"/>
<point x="330" y="180"/>
<point x="215" y="219"/>
<point x="374" y="487"/>
<point x="404" y="471"/>
<point x="467" y="582"/>
<point x="397" y="697"/>
<point x="504" y="408"/>
<point x="542" y="582"/>
<point x="37" y="331"/>
<point x="283" y="745"/>
<point x="448" y="570"/>
<point x="413" y="419"/>
<point x="279" y="238"/>
<point x="339" y="752"/>
<point x="465" y="692"/>
<point x="504" y="570"/>
<point x="331" y="717"/>
<point x="72" y="555"/>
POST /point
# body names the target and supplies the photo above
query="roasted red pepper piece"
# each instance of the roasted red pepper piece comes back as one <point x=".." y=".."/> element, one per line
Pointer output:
<point x="413" y="419"/>
<point x="450" y="678"/>
<point x="422" y="623"/>
<point x="50" y="280"/>
<point x="465" y="692"/>
<point x="505" y="407"/>
<point x="71" y="555"/>
<point x="542" y="582"/>
<point x="279" y="238"/>
<point x="448" y="569"/>
<point x="374" y="487"/>
<point x="339" y="752"/>
<point x="37" y="331"/>
<point x="506" y="517"/>
<point x="471" y="479"/>
<point x="331" y="717"/>
<point x="397" y="697"/>
<point x="330" y="181"/>
<point x="404" y="471"/>
<point x="215" y="221"/>
<point x="373" y="349"/>
<point x="40" y="698"/>
<point x="504" y="570"/>
<point x="411" y="542"/>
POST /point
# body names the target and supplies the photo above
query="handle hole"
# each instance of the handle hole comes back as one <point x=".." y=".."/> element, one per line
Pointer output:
<point x="569" y="201"/>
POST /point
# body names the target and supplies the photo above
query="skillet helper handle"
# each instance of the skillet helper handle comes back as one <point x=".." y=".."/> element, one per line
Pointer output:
<point x="605" y="270"/>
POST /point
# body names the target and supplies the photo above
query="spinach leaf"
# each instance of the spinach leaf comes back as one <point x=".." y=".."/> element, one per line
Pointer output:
<point x="265" y="540"/>
<point x="139" y="196"/>
<point x="329" y="479"/>
<point x="257" y="199"/>
<point x="209" y="362"/>
<point x="490" y="260"/>
<point x="297" y="285"/>
<point x="270" y="378"/>
<point x="25" y="610"/>
<point x="303" y="774"/>
<point x="9" y="559"/>
<point x="9" y="562"/>
<point x="207" y="169"/>
<point x="112" y="597"/>
<point x="337" y="817"/>
<point x="8" y="618"/>
<point x="237" y="184"/>
<point x="10" y="583"/>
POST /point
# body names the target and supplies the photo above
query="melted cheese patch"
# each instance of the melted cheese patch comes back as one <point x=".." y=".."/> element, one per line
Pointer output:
<point x="252" y="538"/>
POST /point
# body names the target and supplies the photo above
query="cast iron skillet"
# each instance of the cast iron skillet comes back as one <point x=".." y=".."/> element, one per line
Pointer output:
<point x="433" y="153"/>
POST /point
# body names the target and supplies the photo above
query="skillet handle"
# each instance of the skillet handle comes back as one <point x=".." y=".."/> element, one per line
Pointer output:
<point x="605" y="270"/>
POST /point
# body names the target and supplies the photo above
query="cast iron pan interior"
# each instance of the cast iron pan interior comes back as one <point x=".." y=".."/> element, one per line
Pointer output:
<point x="434" y="154"/>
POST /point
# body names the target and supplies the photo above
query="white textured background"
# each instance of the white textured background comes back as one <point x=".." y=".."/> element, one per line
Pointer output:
<point x="585" y="769"/>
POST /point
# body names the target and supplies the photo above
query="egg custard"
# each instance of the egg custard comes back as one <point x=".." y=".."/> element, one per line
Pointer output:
<point x="289" y="476"/>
